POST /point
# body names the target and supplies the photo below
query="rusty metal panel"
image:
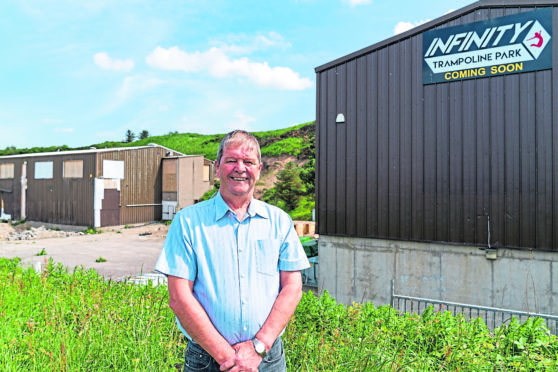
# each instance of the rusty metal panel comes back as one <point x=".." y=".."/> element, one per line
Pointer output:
<point x="141" y="187"/>
<point x="57" y="199"/>
<point x="110" y="212"/>
<point x="469" y="162"/>
<point x="170" y="196"/>
<point x="191" y="182"/>
<point x="170" y="166"/>
<point x="10" y="189"/>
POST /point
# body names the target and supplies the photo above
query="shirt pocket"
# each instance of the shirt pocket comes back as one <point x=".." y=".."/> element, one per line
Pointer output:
<point x="267" y="256"/>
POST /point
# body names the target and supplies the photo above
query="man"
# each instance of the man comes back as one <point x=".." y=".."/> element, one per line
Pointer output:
<point x="233" y="265"/>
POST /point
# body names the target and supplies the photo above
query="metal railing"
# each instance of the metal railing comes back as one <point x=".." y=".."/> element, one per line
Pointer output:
<point x="493" y="317"/>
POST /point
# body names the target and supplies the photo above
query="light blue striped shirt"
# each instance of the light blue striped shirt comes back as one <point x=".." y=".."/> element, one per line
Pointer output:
<point x="234" y="264"/>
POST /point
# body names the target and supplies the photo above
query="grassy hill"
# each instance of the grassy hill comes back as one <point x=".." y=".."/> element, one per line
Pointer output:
<point x="289" y="141"/>
<point x="279" y="147"/>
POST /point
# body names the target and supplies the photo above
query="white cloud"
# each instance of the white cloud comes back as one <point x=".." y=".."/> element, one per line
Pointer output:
<point x="103" y="60"/>
<point x="245" y="44"/>
<point x="240" y="121"/>
<point x="219" y="65"/>
<point x="401" y="27"/>
<point x="357" y="2"/>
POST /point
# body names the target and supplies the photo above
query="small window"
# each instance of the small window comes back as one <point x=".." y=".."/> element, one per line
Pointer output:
<point x="6" y="171"/>
<point x="205" y="176"/>
<point x="43" y="169"/>
<point x="73" y="169"/>
<point x="113" y="169"/>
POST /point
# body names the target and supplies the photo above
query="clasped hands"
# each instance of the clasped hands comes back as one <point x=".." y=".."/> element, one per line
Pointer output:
<point x="244" y="359"/>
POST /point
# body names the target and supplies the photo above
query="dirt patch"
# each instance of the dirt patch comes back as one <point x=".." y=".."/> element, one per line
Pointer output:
<point x="270" y="167"/>
<point x="127" y="251"/>
<point x="5" y="230"/>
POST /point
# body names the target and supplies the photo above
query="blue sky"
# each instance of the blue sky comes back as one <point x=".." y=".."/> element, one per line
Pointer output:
<point x="81" y="72"/>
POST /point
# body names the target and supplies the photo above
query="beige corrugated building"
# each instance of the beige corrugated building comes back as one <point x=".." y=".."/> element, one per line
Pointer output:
<point x="102" y="187"/>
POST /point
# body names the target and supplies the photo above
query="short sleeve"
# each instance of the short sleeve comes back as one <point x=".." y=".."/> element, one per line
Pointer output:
<point x="291" y="256"/>
<point x="177" y="257"/>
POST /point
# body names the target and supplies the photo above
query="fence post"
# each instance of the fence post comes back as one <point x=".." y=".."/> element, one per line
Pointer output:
<point x="392" y="292"/>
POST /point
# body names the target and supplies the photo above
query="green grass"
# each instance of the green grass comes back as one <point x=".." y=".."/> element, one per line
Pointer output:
<point x="327" y="336"/>
<point x="188" y="143"/>
<point x="76" y="321"/>
<point x="304" y="210"/>
<point x="41" y="253"/>
<point x="92" y="231"/>
<point x="288" y="146"/>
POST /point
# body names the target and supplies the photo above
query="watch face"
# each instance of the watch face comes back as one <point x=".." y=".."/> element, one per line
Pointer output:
<point x="259" y="347"/>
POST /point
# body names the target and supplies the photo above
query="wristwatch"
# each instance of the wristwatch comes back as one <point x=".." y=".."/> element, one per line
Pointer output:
<point x="259" y="347"/>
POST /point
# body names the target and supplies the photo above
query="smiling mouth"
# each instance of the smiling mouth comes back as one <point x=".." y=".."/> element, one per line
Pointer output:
<point x="239" y="178"/>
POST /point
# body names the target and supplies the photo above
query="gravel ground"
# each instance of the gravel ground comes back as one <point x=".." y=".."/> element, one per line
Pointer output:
<point x="128" y="251"/>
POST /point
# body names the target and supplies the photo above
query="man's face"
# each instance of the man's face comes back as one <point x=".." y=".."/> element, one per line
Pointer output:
<point x="238" y="171"/>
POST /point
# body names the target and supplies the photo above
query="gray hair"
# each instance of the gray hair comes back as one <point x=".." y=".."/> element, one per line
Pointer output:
<point x="239" y="137"/>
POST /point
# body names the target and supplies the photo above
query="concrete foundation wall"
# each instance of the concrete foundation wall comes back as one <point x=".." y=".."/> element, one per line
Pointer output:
<point x="356" y="269"/>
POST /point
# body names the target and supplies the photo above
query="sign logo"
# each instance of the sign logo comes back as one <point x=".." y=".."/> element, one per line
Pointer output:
<point x="498" y="46"/>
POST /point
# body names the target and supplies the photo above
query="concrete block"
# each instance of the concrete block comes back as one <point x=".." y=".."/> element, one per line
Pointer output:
<point x="356" y="269"/>
<point x="345" y="262"/>
<point x="417" y="270"/>
<point x="466" y="276"/>
<point x="374" y="271"/>
<point x="327" y="275"/>
<point x="521" y="284"/>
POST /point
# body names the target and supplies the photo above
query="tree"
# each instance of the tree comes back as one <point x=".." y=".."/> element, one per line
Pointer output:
<point x="130" y="136"/>
<point x="289" y="187"/>
<point x="308" y="176"/>
<point x="308" y="172"/>
<point x="144" y="134"/>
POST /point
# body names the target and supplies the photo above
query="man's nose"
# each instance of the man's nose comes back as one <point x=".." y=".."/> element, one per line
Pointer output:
<point x="240" y="166"/>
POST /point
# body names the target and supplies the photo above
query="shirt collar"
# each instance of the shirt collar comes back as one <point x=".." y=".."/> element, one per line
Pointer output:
<point x="256" y="207"/>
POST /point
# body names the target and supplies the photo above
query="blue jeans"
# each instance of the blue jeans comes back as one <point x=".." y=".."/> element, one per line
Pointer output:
<point x="196" y="359"/>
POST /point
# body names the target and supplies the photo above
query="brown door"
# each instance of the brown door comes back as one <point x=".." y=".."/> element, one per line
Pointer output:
<point x="110" y="212"/>
<point x="7" y="203"/>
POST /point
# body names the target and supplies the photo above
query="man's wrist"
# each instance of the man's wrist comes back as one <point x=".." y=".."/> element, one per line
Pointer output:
<point x="224" y="356"/>
<point x="259" y="347"/>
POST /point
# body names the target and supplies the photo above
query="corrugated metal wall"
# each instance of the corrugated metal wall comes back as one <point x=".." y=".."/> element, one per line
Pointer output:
<point x="445" y="162"/>
<point x="10" y="189"/>
<point x="61" y="200"/>
<point x="141" y="188"/>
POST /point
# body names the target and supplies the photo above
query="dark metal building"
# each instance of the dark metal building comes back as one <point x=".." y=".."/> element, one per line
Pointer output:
<point x="88" y="188"/>
<point x="467" y="157"/>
